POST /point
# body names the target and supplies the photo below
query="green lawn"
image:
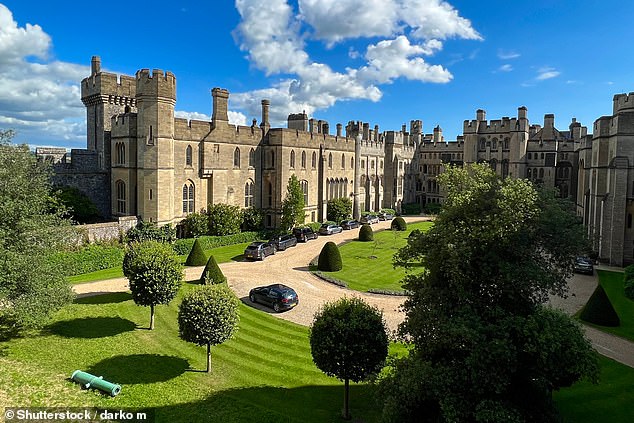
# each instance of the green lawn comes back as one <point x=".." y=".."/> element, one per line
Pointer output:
<point x="609" y="401"/>
<point x="222" y="255"/>
<point x="612" y="283"/>
<point x="368" y="265"/>
<point x="265" y="374"/>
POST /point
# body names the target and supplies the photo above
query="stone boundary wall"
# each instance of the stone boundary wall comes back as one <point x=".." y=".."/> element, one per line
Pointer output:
<point x="107" y="231"/>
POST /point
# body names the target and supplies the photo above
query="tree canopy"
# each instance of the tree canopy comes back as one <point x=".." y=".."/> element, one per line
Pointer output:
<point x="338" y="209"/>
<point x="293" y="205"/>
<point x="32" y="226"/>
<point x="496" y="251"/>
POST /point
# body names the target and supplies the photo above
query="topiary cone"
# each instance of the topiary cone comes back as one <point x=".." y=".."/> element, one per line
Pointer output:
<point x="366" y="233"/>
<point x="599" y="310"/>
<point x="330" y="258"/>
<point x="196" y="256"/>
<point x="212" y="275"/>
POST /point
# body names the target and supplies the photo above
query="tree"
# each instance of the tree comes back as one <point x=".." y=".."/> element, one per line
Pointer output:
<point x="349" y="341"/>
<point x="224" y="219"/>
<point x="150" y="231"/>
<point x="196" y="224"/>
<point x="293" y="205"/>
<point x="212" y="274"/>
<point x="496" y="251"/>
<point x="196" y="256"/>
<point x="32" y="227"/>
<point x="330" y="258"/>
<point x="208" y="316"/>
<point x="366" y="233"/>
<point x="338" y="209"/>
<point x="252" y="219"/>
<point x="154" y="274"/>
<point x="81" y="208"/>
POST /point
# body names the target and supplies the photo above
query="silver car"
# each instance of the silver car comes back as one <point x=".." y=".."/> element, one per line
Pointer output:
<point x="329" y="229"/>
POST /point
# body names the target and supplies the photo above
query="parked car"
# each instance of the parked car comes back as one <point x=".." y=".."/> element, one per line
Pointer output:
<point x="282" y="242"/>
<point x="277" y="296"/>
<point x="327" y="229"/>
<point x="386" y="216"/>
<point x="584" y="265"/>
<point x="304" y="234"/>
<point x="349" y="224"/>
<point x="259" y="250"/>
<point x="367" y="218"/>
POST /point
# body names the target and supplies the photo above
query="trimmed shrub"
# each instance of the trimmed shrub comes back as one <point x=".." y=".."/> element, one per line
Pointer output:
<point x="149" y="231"/>
<point x="366" y="233"/>
<point x="388" y="211"/>
<point x="224" y="219"/>
<point x="87" y="259"/>
<point x="599" y="310"/>
<point x="330" y="258"/>
<point x="212" y="275"/>
<point x="195" y="225"/>
<point x="196" y="256"/>
<point x="184" y="246"/>
<point x="629" y="289"/>
<point x="398" y="224"/>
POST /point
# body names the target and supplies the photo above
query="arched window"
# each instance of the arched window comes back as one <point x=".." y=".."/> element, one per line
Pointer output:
<point x="566" y="172"/>
<point x="120" y="153"/>
<point x="236" y="157"/>
<point x="505" y="168"/>
<point x="494" y="146"/>
<point x="272" y="158"/>
<point x="541" y="173"/>
<point x="362" y="164"/>
<point x="304" y="185"/>
<point x="482" y="144"/>
<point x="248" y="193"/>
<point x="372" y="164"/>
<point x="188" y="197"/>
<point x="252" y="158"/>
<point x="494" y="164"/>
<point x="542" y="156"/>
<point x="303" y="160"/>
<point x="343" y="161"/>
<point x="329" y="160"/>
<point x="292" y="158"/>
<point x="313" y="162"/>
<point x="270" y="194"/>
<point x="121" y="196"/>
<point x="528" y="173"/>
<point x="188" y="156"/>
<point x="506" y="144"/>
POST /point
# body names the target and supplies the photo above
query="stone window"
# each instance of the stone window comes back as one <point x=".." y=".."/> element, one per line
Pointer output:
<point x="528" y="173"/>
<point x="381" y="164"/>
<point x="506" y="144"/>
<point x="252" y="158"/>
<point x="530" y="156"/>
<point x="304" y="185"/>
<point x="121" y="197"/>
<point x="494" y="165"/>
<point x="313" y="162"/>
<point x="270" y="195"/>
<point x="329" y="160"/>
<point x="372" y="164"/>
<point x="629" y="221"/>
<point x="188" y="197"/>
<point x="351" y="162"/>
<point x="120" y="147"/>
<point x="482" y="144"/>
<point x="541" y="173"/>
<point x="542" y="156"/>
<point x="292" y="158"/>
<point x="188" y="156"/>
<point x="272" y="159"/>
<point x="236" y="157"/>
<point x="343" y="161"/>
<point x="494" y="146"/>
<point x="248" y="193"/>
<point x="362" y="164"/>
<point x="303" y="160"/>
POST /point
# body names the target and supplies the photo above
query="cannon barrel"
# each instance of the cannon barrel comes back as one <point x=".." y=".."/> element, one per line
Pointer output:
<point x="91" y="381"/>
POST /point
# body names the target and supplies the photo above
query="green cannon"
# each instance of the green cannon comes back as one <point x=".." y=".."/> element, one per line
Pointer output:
<point x="91" y="381"/>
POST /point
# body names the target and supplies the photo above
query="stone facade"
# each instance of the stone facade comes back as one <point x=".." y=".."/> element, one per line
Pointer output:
<point x="142" y="161"/>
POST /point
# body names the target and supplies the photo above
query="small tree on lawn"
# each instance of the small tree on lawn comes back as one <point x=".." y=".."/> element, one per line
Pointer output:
<point x="212" y="274"/>
<point x="196" y="256"/>
<point x="338" y="209"/>
<point x="208" y="316"/>
<point x="348" y="340"/>
<point x="293" y="205"/>
<point x="330" y="258"/>
<point x="224" y="219"/>
<point x="154" y="273"/>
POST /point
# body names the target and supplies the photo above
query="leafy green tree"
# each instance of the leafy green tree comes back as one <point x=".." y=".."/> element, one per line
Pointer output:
<point x="208" y="316"/>
<point x="212" y="274"/>
<point x="224" y="219"/>
<point x="32" y="227"/>
<point x="338" y="209"/>
<point x="154" y="274"/>
<point x="150" y="231"/>
<point x="195" y="225"/>
<point x="81" y="208"/>
<point x="196" y="256"/>
<point x="252" y="219"/>
<point x="293" y="205"/>
<point x="348" y="340"/>
<point x="480" y="337"/>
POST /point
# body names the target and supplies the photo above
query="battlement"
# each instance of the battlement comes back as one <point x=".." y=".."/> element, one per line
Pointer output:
<point x="107" y="84"/>
<point x="156" y="84"/>
<point x="623" y="102"/>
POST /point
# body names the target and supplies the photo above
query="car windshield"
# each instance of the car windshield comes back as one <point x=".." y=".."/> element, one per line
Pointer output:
<point x="252" y="247"/>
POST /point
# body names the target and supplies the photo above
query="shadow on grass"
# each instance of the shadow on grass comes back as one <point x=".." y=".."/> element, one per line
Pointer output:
<point x="139" y="368"/>
<point x="258" y="306"/>
<point x="266" y="404"/>
<point x="105" y="298"/>
<point x="90" y="327"/>
<point x="239" y="257"/>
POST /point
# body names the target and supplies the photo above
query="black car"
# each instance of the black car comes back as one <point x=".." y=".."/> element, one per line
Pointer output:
<point x="259" y="250"/>
<point x="349" y="224"/>
<point x="282" y="242"/>
<point x="277" y="296"/>
<point x="584" y="265"/>
<point x="304" y="234"/>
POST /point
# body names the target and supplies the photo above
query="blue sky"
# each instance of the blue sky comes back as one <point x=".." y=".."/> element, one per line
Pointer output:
<point x="380" y="61"/>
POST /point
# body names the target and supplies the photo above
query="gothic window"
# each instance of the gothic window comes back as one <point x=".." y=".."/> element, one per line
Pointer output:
<point x="506" y="144"/>
<point x="505" y="168"/>
<point x="303" y="160"/>
<point x="248" y="193"/>
<point x="495" y="144"/>
<point x="351" y="162"/>
<point x="188" y="156"/>
<point x="343" y="161"/>
<point x="304" y="185"/>
<point x="566" y="172"/>
<point x="121" y="197"/>
<point x="188" y="197"/>
<point x="120" y="153"/>
<point x="150" y="137"/>
<point x="313" y="161"/>
<point x="236" y="157"/>
<point x="362" y="164"/>
<point x="329" y="160"/>
<point x="541" y="173"/>
<point x="270" y="194"/>
<point x="372" y="164"/>
<point x="482" y="144"/>
<point x="494" y="164"/>
<point x="542" y="156"/>
<point x="528" y="173"/>
<point x="292" y="158"/>
<point x="252" y="158"/>
<point x="530" y="156"/>
<point x="272" y="158"/>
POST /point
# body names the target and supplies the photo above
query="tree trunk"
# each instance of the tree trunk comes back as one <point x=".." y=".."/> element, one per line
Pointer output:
<point x="208" y="358"/>
<point x="346" y="395"/>
<point x="152" y="317"/>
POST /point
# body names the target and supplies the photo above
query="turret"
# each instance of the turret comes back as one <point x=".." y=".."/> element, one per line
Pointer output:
<point x="623" y="102"/>
<point x="481" y="115"/>
<point x="220" y="105"/>
<point x="265" y="115"/>
<point x="437" y="134"/>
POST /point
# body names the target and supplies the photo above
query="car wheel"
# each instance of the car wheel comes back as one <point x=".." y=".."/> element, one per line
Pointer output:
<point x="273" y="253"/>
<point x="276" y="307"/>
<point x="252" y="298"/>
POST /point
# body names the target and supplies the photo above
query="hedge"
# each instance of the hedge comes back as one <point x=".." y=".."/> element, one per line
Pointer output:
<point x="366" y="234"/>
<point x="184" y="246"/>
<point x="88" y="259"/>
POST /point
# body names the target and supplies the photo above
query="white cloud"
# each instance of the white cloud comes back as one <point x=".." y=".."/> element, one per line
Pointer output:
<point x="236" y="118"/>
<point x="547" y="73"/>
<point x="508" y="55"/>
<point x="505" y="68"/>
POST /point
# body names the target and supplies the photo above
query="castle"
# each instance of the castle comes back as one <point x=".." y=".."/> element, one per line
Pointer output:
<point x="143" y="161"/>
